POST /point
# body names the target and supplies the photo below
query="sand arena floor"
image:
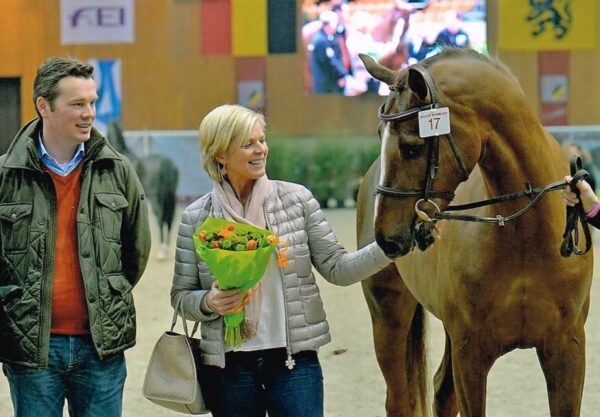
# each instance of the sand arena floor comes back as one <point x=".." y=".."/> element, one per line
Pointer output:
<point x="354" y="386"/>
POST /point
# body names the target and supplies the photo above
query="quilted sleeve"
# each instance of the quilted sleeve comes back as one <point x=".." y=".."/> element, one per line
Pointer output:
<point x="191" y="278"/>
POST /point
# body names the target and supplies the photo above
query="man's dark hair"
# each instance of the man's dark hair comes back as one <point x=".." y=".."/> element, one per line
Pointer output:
<point x="52" y="71"/>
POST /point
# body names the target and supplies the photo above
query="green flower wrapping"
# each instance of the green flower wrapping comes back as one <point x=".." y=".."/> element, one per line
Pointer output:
<point x="238" y="255"/>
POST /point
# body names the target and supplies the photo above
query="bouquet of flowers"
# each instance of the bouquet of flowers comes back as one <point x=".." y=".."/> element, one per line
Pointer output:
<point x="237" y="254"/>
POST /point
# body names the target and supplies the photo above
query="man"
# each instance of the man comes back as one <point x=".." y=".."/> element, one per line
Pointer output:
<point x="74" y="240"/>
<point x="327" y="65"/>
<point x="453" y="35"/>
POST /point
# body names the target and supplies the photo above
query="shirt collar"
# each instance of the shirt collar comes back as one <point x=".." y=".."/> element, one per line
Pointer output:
<point x="44" y="152"/>
<point x="50" y="162"/>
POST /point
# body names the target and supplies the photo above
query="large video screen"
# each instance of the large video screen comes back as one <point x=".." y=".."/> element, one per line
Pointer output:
<point x="396" y="33"/>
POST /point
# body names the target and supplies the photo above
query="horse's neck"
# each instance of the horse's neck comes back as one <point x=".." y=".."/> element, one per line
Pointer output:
<point x="512" y="157"/>
<point x="512" y="164"/>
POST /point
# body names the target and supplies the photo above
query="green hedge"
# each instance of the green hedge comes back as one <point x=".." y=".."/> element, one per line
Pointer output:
<point x="330" y="167"/>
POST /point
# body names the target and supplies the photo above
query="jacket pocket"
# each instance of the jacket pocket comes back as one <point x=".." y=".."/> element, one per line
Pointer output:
<point x="119" y="284"/>
<point x="314" y="312"/>
<point x="9" y="297"/>
<point x="110" y="213"/>
<point x="302" y="262"/>
<point x="118" y="325"/>
<point x="9" y="292"/>
<point x="15" y="220"/>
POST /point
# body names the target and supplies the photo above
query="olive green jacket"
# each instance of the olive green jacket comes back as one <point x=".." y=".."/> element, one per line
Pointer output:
<point x="113" y="239"/>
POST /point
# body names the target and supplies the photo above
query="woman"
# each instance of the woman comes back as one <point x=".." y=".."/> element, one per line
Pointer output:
<point x="276" y="370"/>
<point x="589" y="200"/>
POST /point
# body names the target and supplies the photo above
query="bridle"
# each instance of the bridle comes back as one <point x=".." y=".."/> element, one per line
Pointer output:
<point x="534" y="194"/>
<point x="433" y="152"/>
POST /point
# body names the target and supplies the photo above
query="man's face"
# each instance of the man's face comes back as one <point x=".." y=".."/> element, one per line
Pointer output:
<point x="69" y="121"/>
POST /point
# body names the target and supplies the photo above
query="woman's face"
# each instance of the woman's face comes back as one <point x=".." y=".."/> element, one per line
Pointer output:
<point x="247" y="162"/>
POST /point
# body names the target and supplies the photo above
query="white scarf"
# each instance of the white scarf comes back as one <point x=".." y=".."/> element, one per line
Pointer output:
<point x="252" y="213"/>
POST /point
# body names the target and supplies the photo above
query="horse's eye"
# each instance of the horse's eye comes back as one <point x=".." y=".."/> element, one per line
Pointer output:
<point x="412" y="151"/>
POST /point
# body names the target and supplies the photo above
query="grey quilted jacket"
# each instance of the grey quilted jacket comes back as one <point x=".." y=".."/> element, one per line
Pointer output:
<point x="113" y="239"/>
<point x="293" y="214"/>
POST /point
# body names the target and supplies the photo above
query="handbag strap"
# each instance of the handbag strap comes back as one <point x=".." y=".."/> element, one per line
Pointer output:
<point x="178" y="309"/>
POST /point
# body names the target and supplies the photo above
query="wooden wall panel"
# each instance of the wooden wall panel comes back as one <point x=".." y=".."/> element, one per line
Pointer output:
<point x="21" y="46"/>
<point x="584" y="88"/>
<point x="168" y="85"/>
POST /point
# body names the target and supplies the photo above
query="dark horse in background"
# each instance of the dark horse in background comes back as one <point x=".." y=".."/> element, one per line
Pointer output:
<point x="159" y="177"/>
<point x="495" y="287"/>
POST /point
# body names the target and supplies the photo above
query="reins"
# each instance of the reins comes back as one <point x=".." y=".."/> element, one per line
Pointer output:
<point x="576" y="214"/>
<point x="534" y="194"/>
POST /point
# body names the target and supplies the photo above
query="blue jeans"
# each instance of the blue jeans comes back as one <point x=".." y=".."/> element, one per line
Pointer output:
<point x="253" y="383"/>
<point x="92" y="387"/>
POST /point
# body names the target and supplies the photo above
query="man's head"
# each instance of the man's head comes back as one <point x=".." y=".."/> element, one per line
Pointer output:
<point x="329" y="20"/>
<point x="452" y="21"/>
<point x="51" y="72"/>
<point x="64" y="94"/>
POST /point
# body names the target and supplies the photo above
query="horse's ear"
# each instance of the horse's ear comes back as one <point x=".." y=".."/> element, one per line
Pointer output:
<point x="417" y="84"/>
<point x="377" y="70"/>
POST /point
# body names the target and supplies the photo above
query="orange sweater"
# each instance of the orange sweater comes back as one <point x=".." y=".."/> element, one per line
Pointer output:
<point x="69" y="308"/>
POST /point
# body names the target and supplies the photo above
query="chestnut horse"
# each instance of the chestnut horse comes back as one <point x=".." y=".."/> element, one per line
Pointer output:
<point x="495" y="287"/>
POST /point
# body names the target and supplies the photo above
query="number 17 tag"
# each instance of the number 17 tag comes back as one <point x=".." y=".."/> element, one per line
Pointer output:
<point x="434" y="122"/>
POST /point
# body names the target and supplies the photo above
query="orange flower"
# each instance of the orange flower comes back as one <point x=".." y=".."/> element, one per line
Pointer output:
<point x="233" y="237"/>
<point x="282" y="258"/>
<point x="226" y="233"/>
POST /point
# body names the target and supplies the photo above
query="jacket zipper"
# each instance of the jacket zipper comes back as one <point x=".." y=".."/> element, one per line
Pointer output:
<point x="289" y="362"/>
<point x="47" y="277"/>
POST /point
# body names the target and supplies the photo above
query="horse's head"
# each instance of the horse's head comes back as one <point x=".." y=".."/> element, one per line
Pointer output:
<point x="418" y="175"/>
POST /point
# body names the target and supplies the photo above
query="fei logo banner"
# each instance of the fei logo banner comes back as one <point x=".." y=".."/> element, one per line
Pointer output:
<point x="96" y="21"/>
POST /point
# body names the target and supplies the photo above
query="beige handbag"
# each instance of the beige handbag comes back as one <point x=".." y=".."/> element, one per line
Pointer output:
<point x="172" y="379"/>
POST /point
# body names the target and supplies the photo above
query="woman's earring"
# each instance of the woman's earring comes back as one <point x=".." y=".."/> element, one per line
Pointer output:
<point x="222" y="170"/>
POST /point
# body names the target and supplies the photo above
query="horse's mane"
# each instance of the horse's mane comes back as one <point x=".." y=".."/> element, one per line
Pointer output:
<point x="467" y="53"/>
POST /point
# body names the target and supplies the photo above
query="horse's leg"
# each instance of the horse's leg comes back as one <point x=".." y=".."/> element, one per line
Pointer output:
<point x="470" y="367"/>
<point x="162" y="248"/>
<point x="401" y="357"/>
<point x="563" y="363"/>
<point x="445" y="404"/>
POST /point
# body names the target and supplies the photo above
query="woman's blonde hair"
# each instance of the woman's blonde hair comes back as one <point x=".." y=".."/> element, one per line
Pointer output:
<point x="228" y="124"/>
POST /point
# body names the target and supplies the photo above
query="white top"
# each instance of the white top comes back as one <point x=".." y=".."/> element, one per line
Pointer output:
<point x="271" y="324"/>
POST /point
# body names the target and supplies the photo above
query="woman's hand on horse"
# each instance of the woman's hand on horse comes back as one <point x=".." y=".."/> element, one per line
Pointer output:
<point x="586" y="194"/>
<point x="223" y="301"/>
